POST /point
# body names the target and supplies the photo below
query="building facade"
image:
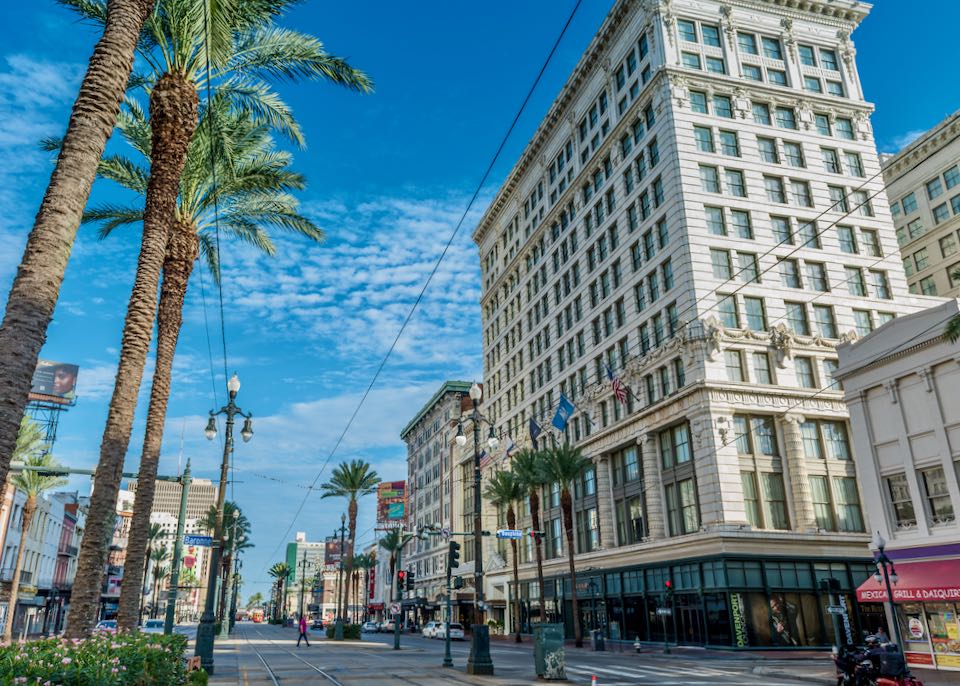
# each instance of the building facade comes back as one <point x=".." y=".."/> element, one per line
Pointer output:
<point x="306" y="559"/>
<point x="901" y="387"/>
<point x="923" y="184"/>
<point x="701" y="215"/>
<point x="437" y="489"/>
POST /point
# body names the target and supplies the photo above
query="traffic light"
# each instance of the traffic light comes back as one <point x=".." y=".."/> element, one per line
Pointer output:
<point x="454" y="555"/>
<point x="668" y="585"/>
<point x="410" y="579"/>
<point x="401" y="578"/>
<point x="458" y="582"/>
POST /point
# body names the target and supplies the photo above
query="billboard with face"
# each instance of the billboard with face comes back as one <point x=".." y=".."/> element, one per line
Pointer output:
<point x="54" y="382"/>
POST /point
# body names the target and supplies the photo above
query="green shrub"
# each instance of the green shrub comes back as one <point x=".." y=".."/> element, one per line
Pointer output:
<point x="351" y="632"/>
<point x="198" y="678"/>
<point x="125" y="659"/>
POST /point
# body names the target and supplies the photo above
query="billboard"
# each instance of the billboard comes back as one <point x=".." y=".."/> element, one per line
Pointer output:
<point x="332" y="551"/>
<point x="54" y="382"/>
<point x="391" y="501"/>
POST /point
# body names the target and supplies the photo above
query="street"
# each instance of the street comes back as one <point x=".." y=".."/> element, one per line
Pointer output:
<point x="268" y="655"/>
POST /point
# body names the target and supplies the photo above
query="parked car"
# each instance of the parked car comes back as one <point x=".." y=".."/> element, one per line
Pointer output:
<point x="107" y="626"/>
<point x="369" y="628"/>
<point x="317" y="624"/>
<point x="387" y="625"/>
<point x="456" y="631"/>
<point x="152" y="626"/>
<point x="429" y="629"/>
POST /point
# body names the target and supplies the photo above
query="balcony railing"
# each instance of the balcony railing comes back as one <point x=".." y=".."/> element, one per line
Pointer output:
<point x="7" y="575"/>
<point x="68" y="550"/>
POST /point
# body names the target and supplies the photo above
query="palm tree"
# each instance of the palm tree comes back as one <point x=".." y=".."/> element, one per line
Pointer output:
<point x="250" y="184"/>
<point x="256" y="600"/>
<point x="527" y="466"/>
<point x="352" y="481"/>
<point x="159" y="574"/>
<point x="36" y="287"/>
<point x="30" y="442"/>
<point x="281" y="572"/>
<point x="154" y="534"/>
<point x="393" y="543"/>
<point x="157" y="556"/>
<point x="236" y="47"/>
<point x="235" y="539"/>
<point x="34" y="484"/>
<point x="503" y="490"/>
<point x="564" y="465"/>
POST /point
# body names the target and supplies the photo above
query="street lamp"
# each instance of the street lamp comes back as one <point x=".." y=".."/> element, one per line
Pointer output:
<point x="479" y="661"/>
<point x="885" y="574"/>
<point x="225" y="616"/>
<point x="205" y="632"/>
<point x="342" y="598"/>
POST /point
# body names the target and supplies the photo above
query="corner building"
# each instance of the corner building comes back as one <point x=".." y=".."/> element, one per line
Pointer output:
<point x="702" y="210"/>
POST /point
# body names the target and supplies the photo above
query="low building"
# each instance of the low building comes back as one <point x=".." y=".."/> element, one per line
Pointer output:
<point x="923" y="185"/>
<point x="901" y="386"/>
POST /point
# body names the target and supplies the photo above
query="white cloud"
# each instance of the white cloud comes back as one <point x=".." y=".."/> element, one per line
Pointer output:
<point x="898" y="143"/>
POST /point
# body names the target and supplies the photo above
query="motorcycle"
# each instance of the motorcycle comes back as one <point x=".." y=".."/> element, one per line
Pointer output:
<point x="875" y="664"/>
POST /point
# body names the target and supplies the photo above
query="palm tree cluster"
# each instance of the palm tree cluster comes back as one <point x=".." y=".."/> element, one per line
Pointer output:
<point x="530" y="471"/>
<point x="188" y="161"/>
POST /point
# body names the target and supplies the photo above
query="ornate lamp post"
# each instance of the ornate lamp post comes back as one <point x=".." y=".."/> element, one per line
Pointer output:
<point x="205" y="632"/>
<point x="885" y="574"/>
<point x="479" y="661"/>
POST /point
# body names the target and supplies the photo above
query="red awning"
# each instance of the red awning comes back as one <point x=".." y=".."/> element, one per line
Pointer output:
<point x="919" y="581"/>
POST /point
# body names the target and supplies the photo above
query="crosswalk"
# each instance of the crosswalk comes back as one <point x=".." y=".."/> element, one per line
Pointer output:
<point x="659" y="675"/>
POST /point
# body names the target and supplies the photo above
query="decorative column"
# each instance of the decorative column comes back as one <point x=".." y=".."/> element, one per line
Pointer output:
<point x="804" y="519"/>
<point x="652" y="486"/>
<point x="605" y="502"/>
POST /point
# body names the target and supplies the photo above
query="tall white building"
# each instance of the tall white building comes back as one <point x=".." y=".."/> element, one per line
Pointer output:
<point x="923" y="184"/>
<point x="702" y="211"/>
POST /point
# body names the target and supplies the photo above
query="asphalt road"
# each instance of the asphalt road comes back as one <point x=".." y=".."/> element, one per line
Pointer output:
<point x="268" y="656"/>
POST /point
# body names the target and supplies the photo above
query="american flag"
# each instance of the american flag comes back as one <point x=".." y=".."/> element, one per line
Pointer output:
<point x="619" y="389"/>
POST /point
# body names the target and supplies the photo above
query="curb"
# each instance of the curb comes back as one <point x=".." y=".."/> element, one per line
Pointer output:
<point x="781" y="674"/>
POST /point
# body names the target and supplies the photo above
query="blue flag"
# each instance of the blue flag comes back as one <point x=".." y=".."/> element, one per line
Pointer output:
<point x="535" y="431"/>
<point x="564" y="410"/>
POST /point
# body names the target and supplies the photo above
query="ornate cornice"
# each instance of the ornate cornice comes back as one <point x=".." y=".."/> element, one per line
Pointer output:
<point x="936" y="138"/>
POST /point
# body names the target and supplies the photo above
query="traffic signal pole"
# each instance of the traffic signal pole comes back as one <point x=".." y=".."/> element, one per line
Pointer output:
<point x="177" y="553"/>
<point x="453" y="560"/>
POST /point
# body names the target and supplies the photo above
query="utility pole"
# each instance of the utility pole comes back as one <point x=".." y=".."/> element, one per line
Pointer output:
<point x="177" y="552"/>
<point x="303" y="579"/>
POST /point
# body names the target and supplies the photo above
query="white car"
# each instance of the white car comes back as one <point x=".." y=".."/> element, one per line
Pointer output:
<point x="430" y="629"/>
<point x="107" y="626"/>
<point x="456" y="631"/>
<point x="370" y="628"/>
<point x="152" y="626"/>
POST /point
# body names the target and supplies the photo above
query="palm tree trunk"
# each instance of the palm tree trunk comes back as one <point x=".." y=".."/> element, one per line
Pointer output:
<point x="28" y="509"/>
<point x="173" y="118"/>
<point x="566" y="504"/>
<point x="182" y="249"/>
<point x="512" y="524"/>
<point x="348" y="567"/>
<point x="36" y="288"/>
<point x="141" y="587"/>
<point x="538" y="545"/>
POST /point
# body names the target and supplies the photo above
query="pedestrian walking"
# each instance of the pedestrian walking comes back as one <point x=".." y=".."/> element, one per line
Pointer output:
<point x="303" y="631"/>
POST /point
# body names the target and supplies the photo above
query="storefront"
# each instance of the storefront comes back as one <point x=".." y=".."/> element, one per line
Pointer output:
<point x="927" y="601"/>
<point x="724" y="603"/>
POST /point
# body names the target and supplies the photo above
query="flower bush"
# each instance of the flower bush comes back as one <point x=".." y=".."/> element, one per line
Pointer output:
<point x="125" y="659"/>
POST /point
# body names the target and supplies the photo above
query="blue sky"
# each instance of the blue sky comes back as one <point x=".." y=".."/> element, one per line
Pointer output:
<point x="388" y="176"/>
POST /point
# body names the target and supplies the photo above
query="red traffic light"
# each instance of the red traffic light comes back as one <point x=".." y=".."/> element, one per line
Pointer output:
<point x="401" y="575"/>
<point x="668" y="584"/>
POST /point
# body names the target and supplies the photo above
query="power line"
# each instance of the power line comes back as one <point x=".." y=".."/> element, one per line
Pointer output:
<point x="436" y="266"/>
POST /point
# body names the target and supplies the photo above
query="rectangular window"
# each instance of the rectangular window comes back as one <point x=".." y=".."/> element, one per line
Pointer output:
<point x="771" y="48"/>
<point x="831" y="161"/>
<point x="835" y="88"/>
<point x="900" y="501"/>
<point x="790" y="273"/>
<point x="781" y="230"/>
<point x="952" y="176"/>
<point x="687" y="30"/>
<point x="849" y="516"/>
<point x="709" y="179"/>
<point x="691" y="60"/>
<point x="848" y="240"/>
<point x="828" y="59"/>
<point x="909" y="203"/>
<point x="727" y="309"/>
<point x="855" y="283"/>
<point x="711" y="35"/>
<point x="761" y="368"/>
<point x="723" y="106"/>
<point x="768" y="150"/>
<point x="948" y="245"/>
<point x="736" y="186"/>
<point x="740" y="220"/>
<point x="778" y="77"/>
<point x="829" y="370"/>
<point x="751" y="500"/>
<point x="797" y="318"/>
<point x="928" y="286"/>
<point x="826" y="322"/>
<point x="774" y="188"/>
<point x="862" y="322"/>
<point x="921" y="259"/>
<point x="734" y="364"/>
<point x="854" y="163"/>
<point x="804" y="369"/>
<point x="871" y="242"/>
<point x="822" y="509"/>
<point x="752" y="72"/>
<point x="861" y="202"/>
<point x="822" y="122"/>
<point x="729" y="145"/>
<point x="838" y="199"/>
<point x="845" y="129"/>
<point x="793" y="152"/>
<point x="761" y="113"/>
<point x="800" y="192"/>
<point x="817" y="276"/>
<point x="698" y="102"/>
<point x="809" y="236"/>
<point x="934" y="188"/>
<point x="807" y="56"/>
<point x="749" y="271"/>
<point x="775" y="500"/>
<point x="715" y="65"/>
<point x="756" y="314"/>
<point x="785" y="117"/>
<point x="720" y="259"/>
<point x="747" y="43"/>
<point x="812" y="84"/>
<point x="704" y="138"/>
<point x="940" y="213"/>
<point x="937" y="496"/>
<point x="715" y="221"/>
<point x="881" y="287"/>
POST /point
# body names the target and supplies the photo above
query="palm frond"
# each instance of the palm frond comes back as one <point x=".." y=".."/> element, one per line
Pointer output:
<point x="208" y="249"/>
<point x="124" y="172"/>
<point x="51" y="144"/>
<point x="952" y="330"/>
<point x="255" y="100"/>
<point x="91" y="10"/>
<point x="111" y="217"/>
<point x="249" y="232"/>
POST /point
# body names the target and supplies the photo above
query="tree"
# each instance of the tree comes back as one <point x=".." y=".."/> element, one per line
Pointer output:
<point x="249" y="186"/>
<point x="527" y="466"/>
<point x="36" y="287"/>
<point x="393" y="543"/>
<point x="235" y="539"/>
<point x="34" y="484"/>
<point x="503" y="490"/>
<point x="236" y="47"/>
<point x="564" y="465"/>
<point x="281" y="572"/>
<point x="352" y="481"/>
<point x="154" y="534"/>
<point x="159" y="555"/>
<point x="256" y="600"/>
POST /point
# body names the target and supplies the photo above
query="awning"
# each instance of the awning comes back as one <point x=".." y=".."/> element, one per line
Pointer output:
<point x="932" y="580"/>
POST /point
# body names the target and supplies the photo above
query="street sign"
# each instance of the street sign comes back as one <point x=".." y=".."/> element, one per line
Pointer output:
<point x="445" y="532"/>
<point x="835" y="609"/>
<point x="664" y="611"/>
<point x="394" y="608"/>
<point x="509" y="533"/>
<point x="199" y="541"/>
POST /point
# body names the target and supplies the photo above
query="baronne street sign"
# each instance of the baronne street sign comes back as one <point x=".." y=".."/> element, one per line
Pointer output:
<point x="199" y="541"/>
<point x="509" y="533"/>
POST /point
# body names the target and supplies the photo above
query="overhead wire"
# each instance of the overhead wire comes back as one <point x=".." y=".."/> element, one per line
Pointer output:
<point x="434" y="270"/>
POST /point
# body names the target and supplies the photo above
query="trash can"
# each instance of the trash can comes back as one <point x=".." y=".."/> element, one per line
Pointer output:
<point x="596" y="640"/>
<point x="548" y="652"/>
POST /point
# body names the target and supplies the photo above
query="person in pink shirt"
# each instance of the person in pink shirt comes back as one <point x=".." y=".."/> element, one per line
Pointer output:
<point x="303" y="631"/>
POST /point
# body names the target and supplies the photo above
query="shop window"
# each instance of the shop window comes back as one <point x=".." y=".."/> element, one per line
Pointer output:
<point x="714" y="575"/>
<point x="741" y="574"/>
<point x="633" y="582"/>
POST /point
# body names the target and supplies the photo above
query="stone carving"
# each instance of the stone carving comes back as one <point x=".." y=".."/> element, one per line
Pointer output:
<point x="666" y="15"/>
<point x="680" y="89"/>
<point x="783" y="343"/>
<point x="850" y="336"/>
<point x="927" y="375"/>
<point x="894" y="392"/>
<point x="725" y="430"/>
<point x="741" y="103"/>
<point x="715" y="332"/>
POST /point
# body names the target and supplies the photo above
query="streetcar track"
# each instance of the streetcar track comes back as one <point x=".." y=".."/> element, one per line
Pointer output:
<point x="312" y="666"/>
<point x="270" y="673"/>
